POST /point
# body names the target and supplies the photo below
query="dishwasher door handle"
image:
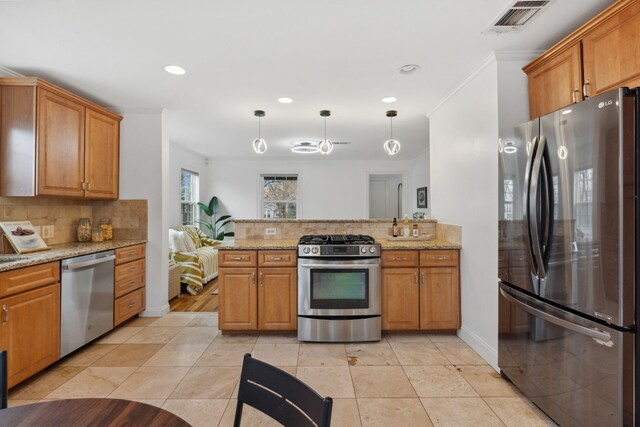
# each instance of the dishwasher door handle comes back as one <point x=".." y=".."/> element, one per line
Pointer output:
<point x="88" y="263"/>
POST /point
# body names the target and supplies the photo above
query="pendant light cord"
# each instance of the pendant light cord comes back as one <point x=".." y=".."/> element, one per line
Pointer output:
<point x="391" y="119"/>
<point x="259" y="128"/>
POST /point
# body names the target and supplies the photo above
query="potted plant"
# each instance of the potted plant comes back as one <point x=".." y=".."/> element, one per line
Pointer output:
<point x="213" y="224"/>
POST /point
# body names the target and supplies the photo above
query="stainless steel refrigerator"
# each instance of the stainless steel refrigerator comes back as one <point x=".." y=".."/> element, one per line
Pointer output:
<point x="568" y="261"/>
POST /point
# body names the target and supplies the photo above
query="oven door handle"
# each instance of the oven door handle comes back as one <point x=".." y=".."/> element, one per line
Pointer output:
<point x="335" y="266"/>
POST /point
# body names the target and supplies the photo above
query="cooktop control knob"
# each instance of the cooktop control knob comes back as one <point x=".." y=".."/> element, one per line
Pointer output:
<point x="314" y="250"/>
<point x="306" y="250"/>
<point x="363" y="249"/>
<point x="372" y="249"/>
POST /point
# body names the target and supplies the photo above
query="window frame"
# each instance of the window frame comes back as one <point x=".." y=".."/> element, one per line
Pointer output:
<point x="195" y="192"/>
<point x="261" y="200"/>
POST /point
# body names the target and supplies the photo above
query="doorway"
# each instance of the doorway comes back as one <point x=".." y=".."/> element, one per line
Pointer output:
<point x="385" y="196"/>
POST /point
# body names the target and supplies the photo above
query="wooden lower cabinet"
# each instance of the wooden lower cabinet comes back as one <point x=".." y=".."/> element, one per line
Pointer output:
<point x="238" y="299"/>
<point x="129" y="283"/>
<point x="400" y="308"/>
<point x="31" y="331"/>
<point x="262" y="297"/>
<point x="439" y="298"/>
<point x="421" y="298"/>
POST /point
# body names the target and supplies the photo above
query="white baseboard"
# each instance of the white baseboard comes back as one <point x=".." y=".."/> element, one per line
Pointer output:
<point x="480" y="346"/>
<point x="156" y="311"/>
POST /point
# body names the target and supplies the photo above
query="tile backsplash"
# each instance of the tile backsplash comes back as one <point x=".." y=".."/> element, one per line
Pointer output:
<point x="128" y="217"/>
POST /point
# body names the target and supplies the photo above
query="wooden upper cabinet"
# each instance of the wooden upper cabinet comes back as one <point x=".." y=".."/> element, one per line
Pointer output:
<point x="102" y="154"/>
<point x="54" y="143"/>
<point x="556" y="82"/>
<point x="601" y="55"/>
<point x="60" y="146"/>
<point x="611" y="52"/>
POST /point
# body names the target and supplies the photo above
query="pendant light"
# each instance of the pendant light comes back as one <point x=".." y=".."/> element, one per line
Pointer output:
<point x="391" y="146"/>
<point x="325" y="146"/>
<point x="259" y="144"/>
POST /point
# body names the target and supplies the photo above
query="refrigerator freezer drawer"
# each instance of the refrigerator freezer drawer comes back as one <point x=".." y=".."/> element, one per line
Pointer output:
<point x="579" y="372"/>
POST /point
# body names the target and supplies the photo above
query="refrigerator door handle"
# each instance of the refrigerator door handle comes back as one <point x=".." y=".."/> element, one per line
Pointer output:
<point x="591" y="333"/>
<point x="527" y="228"/>
<point x="532" y="207"/>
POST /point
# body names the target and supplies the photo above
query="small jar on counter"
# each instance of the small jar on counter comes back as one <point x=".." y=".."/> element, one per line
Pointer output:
<point x="96" y="235"/>
<point x="84" y="230"/>
<point x="107" y="229"/>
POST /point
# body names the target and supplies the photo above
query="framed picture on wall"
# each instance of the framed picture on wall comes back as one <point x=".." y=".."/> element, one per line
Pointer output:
<point x="422" y="197"/>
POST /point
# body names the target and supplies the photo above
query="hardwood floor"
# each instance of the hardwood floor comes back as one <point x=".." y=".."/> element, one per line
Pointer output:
<point x="202" y="302"/>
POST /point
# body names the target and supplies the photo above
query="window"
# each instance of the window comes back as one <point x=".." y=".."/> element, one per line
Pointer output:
<point x="188" y="197"/>
<point x="279" y="196"/>
<point x="583" y="203"/>
<point x="508" y="198"/>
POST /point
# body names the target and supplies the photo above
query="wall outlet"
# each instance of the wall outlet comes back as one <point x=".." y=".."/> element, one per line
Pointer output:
<point x="37" y="229"/>
<point x="47" y="231"/>
<point x="270" y="231"/>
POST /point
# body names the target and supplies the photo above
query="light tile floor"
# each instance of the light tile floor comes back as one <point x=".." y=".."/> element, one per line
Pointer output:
<point x="182" y="363"/>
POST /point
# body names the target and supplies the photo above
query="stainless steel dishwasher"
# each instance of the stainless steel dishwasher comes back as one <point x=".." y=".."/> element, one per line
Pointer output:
<point x="86" y="299"/>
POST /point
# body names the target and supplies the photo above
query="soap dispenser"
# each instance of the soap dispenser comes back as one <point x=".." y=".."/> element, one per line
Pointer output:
<point x="405" y="226"/>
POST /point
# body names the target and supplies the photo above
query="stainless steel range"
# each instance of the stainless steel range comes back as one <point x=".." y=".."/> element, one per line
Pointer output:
<point x="339" y="288"/>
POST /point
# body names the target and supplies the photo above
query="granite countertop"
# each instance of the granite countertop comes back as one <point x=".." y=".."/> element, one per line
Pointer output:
<point x="257" y="244"/>
<point x="65" y="250"/>
<point x="338" y="221"/>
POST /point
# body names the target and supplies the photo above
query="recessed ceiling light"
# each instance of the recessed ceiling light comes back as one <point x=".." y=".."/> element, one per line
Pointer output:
<point x="389" y="99"/>
<point x="174" y="69"/>
<point x="285" y="100"/>
<point x="408" y="69"/>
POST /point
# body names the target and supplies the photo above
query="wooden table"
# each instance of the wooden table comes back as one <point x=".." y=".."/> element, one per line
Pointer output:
<point x="89" y="412"/>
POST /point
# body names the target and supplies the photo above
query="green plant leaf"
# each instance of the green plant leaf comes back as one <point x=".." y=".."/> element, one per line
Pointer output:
<point x="204" y="208"/>
<point x="229" y="233"/>
<point x="222" y="218"/>
<point x="213" y="206"/>
<point x="220" y="236"/>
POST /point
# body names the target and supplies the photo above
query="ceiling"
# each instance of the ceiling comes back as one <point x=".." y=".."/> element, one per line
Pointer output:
<point x="243" y="55"/>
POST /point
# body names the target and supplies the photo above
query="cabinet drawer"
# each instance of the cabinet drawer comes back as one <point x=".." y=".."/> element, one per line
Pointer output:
<point x="399" y="258"/>
<point x="128" y="284"/>
<point x="129" y="253"/>
<point x="517" y="259"/>
<point x="130" y="269"/>
<point x="237" y="258"/>
<point x="23" y="279"/>
<point x="277" y="258"/>
<point x="128" y="306"/>
<point x="438" y="257"/>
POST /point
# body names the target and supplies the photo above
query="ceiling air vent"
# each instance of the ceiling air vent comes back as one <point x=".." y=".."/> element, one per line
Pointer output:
<point x="516" y="16"/>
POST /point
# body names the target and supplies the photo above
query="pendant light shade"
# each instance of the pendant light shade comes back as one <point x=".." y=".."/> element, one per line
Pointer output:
<point x="325" y="146"/>
<point x="391" y="146"/>
<point x="259" y="144"/>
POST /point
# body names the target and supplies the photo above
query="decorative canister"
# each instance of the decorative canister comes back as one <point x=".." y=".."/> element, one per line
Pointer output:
<point x="84" y="230"/>
<point x="107" y="229"/>
<point x="96" y="235"/>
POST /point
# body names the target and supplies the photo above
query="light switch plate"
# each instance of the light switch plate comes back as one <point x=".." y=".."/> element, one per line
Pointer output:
<point x="270" y="231"/>
<point x="47" y="231"/>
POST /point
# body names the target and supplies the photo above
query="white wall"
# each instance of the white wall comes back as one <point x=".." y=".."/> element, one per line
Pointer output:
<point x="420" y="177"/>
<point x="144" y="174"/>
<point x="464" y="163"/>
<point x="182" y="158"/>
<point x="329" y="188"/>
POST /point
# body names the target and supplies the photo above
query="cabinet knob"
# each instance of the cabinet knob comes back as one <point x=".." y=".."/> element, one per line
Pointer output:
<point x="439" y="258"/>
<point x="133" y="304"/>
<point x="422" y="279"/>
<point x="5" y="312"/>
<point x="574" y="95"/>
<point x="584" y="89"/>
<point x="260" y="278"/>
<point x="400" y="258"/>
<point x="415" y="277"/>
<point x="253" y="278"/>
<point x="276" y="258"/>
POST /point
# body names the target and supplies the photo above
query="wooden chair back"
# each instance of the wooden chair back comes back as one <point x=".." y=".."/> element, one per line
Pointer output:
<point x="4" y="389"/>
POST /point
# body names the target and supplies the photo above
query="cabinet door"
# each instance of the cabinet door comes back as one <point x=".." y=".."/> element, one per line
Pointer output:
<point x="277" y="298"/>
<point x="31" y="331"/>
<point x="439" y="298"/>
<point x="60" y="146"/>
<point x="555" y="83"/>
<point x="238" y="299"/>
<point x="611" y="52"/>
<point x="102" y="154"/>
<point x="400" y="298"/>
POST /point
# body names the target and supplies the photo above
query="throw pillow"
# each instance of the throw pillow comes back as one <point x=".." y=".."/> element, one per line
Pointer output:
<point x="176" y="241"/>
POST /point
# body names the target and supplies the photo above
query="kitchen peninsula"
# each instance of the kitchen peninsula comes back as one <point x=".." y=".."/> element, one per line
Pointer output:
<point x="418" y="284"/>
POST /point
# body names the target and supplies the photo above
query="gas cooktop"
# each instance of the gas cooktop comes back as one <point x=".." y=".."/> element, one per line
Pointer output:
<point x="337" y="239"/>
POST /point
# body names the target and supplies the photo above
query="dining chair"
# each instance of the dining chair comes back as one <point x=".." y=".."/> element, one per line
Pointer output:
<point x="281" y="396"/>
<point x="4" y="390"/>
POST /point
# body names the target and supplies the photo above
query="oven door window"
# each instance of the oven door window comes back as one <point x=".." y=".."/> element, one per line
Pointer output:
<point x="339" y="288"/>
